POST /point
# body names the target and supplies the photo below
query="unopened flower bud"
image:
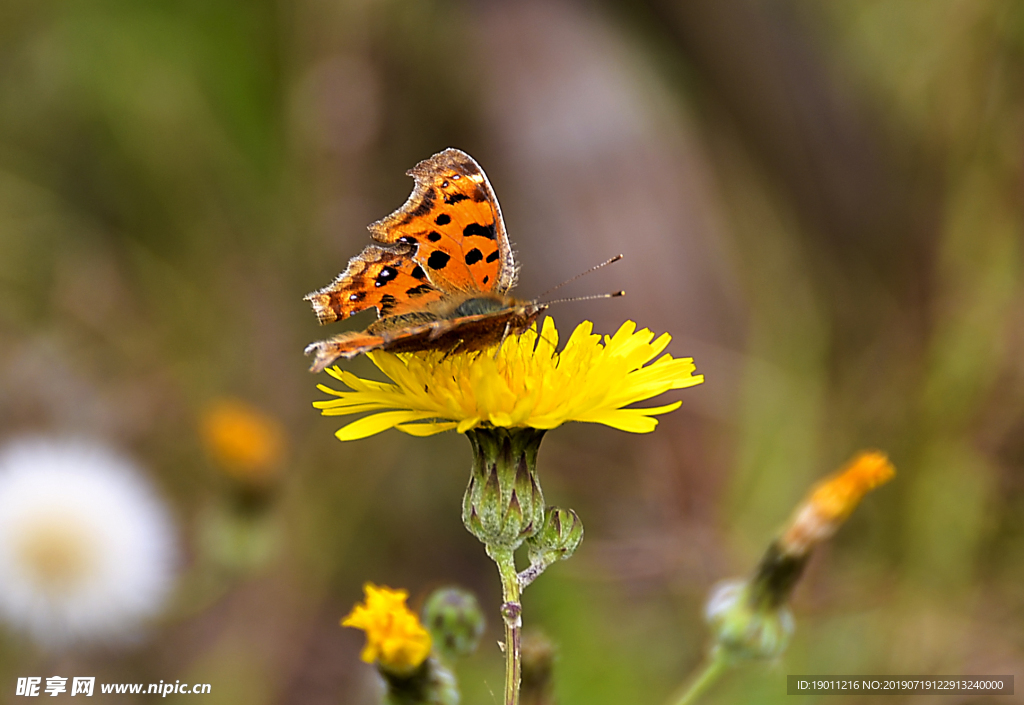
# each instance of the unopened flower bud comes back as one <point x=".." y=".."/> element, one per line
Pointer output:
<point x="557" y="540"/>
<point x="503" y="504"/>
<point x="455" y="621"/>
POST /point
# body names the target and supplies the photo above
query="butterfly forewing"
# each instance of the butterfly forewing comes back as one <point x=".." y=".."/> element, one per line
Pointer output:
<point x="453" y="219"/>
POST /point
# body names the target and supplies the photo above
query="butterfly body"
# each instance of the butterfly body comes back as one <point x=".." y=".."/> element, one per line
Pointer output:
<point x="439" y="277"/>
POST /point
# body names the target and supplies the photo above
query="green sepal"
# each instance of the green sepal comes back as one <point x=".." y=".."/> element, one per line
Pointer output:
<point x="746" y="627"/>
<point x="503" y="504"/>
<point x="432" y="683"/>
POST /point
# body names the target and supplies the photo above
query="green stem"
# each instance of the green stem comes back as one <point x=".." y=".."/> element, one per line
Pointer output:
<point x="511" y="613"/>
<point x="712" y="671"/>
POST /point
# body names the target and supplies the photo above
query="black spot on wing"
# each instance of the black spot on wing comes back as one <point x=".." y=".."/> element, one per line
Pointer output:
<point x="434" y="236"/>
<point x="385" y="275"/>
<point x="387" y="302"/>
<point x="419" y="290"/>
<point x="418" y="273"/>
<point x="474" y="256"/>
<point x="478" y="230"/>
<point x="443" y="219"/>
<point x="487" y="278"/>
<point x="453" y="198"/>
<point x="493" y="256"/>
<point x="438" y="259"/>
<point x="479" y="195"/>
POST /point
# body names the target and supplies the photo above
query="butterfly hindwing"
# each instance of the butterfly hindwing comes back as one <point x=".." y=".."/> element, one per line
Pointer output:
<point x="387" y="279"/>
<point x="421" y="332"/>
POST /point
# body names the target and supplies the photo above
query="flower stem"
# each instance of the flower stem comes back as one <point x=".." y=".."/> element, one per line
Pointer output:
<point x="503" y="507"/>
<point x="511" y="613"/>
<point x="715" y="666"/>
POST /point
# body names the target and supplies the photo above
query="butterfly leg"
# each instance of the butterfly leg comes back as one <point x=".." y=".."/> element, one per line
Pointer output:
<point x="437" y="329"/>
<point x="451" y="351"/>
<point x="501" y="343"/>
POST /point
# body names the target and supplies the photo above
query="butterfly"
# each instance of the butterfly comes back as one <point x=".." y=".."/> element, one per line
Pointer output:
<point x="438" y="274"/>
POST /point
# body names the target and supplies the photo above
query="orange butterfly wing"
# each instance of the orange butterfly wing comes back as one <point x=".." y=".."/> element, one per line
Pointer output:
<point x="387" y="279"/>
<point x="445" y="246"/>
<point x="453" y="220"/>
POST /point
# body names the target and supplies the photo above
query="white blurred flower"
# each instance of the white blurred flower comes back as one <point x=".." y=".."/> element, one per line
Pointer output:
<point x="86" y="548"/>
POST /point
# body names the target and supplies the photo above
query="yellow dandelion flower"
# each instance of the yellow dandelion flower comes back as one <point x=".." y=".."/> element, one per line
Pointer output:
<point x="833" y="499"/>
<point x="395" y="639"/>
<point x="245" y="443"/>
<point x="528" y="382"/>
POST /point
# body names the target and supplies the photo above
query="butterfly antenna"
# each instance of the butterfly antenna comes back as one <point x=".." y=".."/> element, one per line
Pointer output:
<point x="612" y="295"/>
<point x="616" y="258"/>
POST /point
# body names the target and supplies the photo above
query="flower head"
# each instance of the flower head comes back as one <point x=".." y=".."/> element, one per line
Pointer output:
<point x="395" y="639"/>
<point x="86" y="548"/>
<point x="527" y="382"/>
<point x="243" y="441"/>
<point x="833" y="499"/>
<point x="751" y="619"/>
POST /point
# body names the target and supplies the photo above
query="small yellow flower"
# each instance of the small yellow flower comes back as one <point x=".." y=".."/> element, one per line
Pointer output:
<point x="833" y="499"/>
<point x="528" y="382"/>
<point x="395" y="639"/>
<point x="245" y="443"/>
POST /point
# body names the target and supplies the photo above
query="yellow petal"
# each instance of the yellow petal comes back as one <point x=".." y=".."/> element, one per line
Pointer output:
<point x="425" y="429"/>
<point x="369" y="425"/>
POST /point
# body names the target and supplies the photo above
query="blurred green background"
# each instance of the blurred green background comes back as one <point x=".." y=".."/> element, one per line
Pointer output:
<point x="821" y="202"/>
